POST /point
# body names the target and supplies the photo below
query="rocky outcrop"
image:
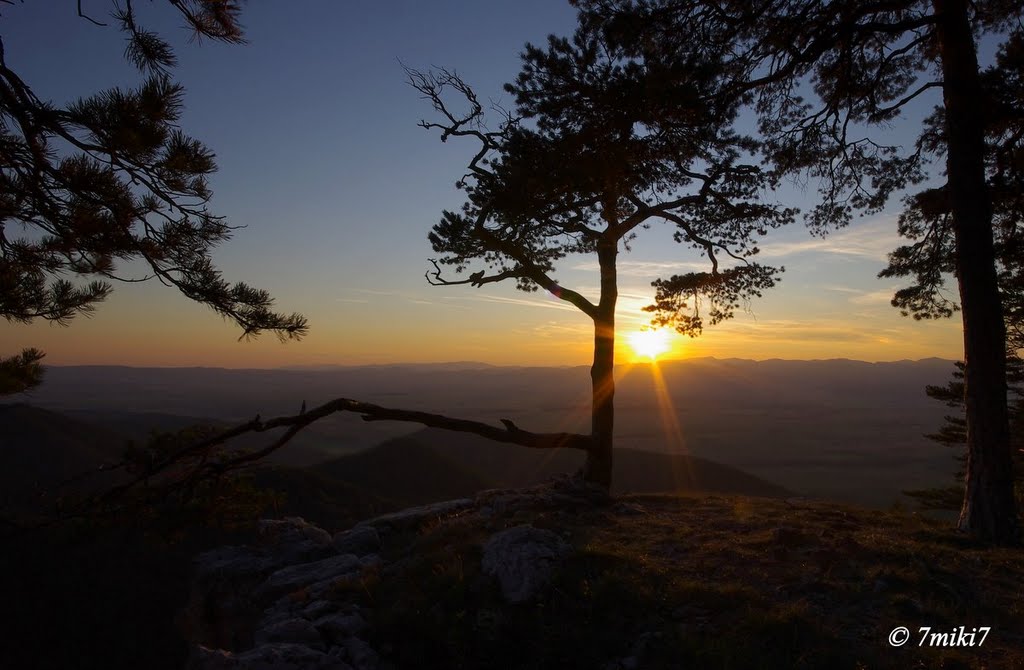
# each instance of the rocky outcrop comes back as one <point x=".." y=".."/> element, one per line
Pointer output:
<point x="254" y="608"/>
<point x="293" y="540"/>
<point x="417" y="516"/>
<point x="523" y="560"/>
<point x="283" y="656"/>
<point x="224" y="603"/>
<point x="360" y="541"/>
<point x="312" y="574"/>
<point x="292" y="602"/>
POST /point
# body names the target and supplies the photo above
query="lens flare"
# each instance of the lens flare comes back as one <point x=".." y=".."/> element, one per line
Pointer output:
<point x="649" y="343"/>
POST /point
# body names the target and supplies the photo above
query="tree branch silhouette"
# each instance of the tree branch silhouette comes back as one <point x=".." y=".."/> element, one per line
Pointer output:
<point x="187" y="468"/>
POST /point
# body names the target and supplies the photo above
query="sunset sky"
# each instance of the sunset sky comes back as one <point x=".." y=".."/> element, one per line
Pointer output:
<point x="321" y="159"/>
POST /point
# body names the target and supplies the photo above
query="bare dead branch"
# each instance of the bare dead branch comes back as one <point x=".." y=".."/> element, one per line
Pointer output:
<point x="476" y="279"/>
<point x="708" y="245"/>
<point x="510" y="434"/>
<point x="530" y="269"/>
<point x="882" y="111"/>
<point x="432" y="85"/>
<point x="82" y="14"/>
<point x="197" y="463"/>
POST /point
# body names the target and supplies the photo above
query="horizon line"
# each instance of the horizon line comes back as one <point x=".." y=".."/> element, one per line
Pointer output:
<point x="323" y="367"/>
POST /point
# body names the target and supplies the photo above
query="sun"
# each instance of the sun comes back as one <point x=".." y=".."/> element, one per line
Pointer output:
<point x="649" y="343"/>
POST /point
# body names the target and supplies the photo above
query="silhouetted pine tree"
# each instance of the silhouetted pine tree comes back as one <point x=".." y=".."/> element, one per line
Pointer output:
<point x="22" y="372"/>
<point x="953" y="434"/>
<point x="603" y="143"/>
<point x="111" y="179"/>
<point x="863" y="62"/>
<point x="929" y="259"/>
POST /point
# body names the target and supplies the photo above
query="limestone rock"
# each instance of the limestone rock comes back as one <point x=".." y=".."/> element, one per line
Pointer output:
<point x="234" y="562"/>
<point x="566" y="492"/>
<point x="221" y="606"/>
<point x="414" y="517"/>
<point x="361" y="540"/>
<point x="285" y="656"/>
<point x="297" y="630"/>
<point x="339" y="627"/>
<point x="294" y="540"/>
<point x="523" y="559"/>
<point x="318" y="608"/>
<point x="306" y="574"/>
<point x="204" y="658"/>
<point x="282" y="656"/>
<point x="226" y="594"/>
<point x="361" y="655"/>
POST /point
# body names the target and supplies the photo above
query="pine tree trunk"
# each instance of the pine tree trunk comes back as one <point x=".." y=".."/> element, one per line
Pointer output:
<point x="988" y="511"/>
<point x="598" y="469"/>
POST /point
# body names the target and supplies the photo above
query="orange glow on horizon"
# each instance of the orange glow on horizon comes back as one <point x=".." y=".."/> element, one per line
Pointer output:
<point x="145" y="327"/>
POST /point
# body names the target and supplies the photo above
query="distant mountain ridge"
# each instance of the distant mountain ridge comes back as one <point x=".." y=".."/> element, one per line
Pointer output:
<point x="480" y="365"/>
<point x="240" y="393"/>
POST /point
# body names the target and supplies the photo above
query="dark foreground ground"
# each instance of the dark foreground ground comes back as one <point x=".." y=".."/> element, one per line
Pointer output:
<point x="651" y="582"/>
<point x="708" y="582"/>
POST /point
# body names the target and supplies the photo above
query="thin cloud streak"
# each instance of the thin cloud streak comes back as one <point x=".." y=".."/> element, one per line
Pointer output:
<point x="874" y="240"/>
<point x="374" y="291"/>
<point x="560" y="305"/>
<point x="555" y="329"/>
<point x="647" y="268"/>
<point x="796" y="331"/>
<point x="880" y="297"/>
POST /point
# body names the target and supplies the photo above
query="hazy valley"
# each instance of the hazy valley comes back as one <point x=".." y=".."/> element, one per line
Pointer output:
<point x="837" y="429"/>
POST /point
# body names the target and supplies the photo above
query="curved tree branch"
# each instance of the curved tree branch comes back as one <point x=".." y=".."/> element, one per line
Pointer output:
<point x="83" y="15"/>
<point x="708" y="245"/>
<point x="476" y="279"/>
<point x="191" y="464"/>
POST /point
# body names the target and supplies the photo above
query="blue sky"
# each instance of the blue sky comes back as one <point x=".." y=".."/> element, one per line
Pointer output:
<point x="321" y="159"/>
